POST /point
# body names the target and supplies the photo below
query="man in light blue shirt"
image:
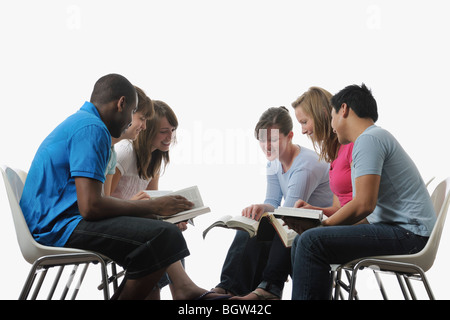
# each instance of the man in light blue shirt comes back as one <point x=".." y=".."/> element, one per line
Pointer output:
<point x="402" y="197"/>
<point x="391" y="211"/>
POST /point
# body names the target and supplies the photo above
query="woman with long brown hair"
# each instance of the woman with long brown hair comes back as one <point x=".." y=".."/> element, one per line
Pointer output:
<point x="140" y="163"/>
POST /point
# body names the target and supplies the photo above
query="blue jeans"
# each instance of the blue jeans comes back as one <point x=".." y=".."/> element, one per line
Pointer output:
<point x="314" y="250"/>
<point x="251" y="263"/>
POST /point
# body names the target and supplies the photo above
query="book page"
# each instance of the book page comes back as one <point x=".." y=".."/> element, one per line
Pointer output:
<point x="245" y="220"/>
<point x="192" y="194"/>
<point x="157" y="193"/>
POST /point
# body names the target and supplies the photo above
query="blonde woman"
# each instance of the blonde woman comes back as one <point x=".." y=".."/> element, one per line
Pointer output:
<point x="313" y="112"/>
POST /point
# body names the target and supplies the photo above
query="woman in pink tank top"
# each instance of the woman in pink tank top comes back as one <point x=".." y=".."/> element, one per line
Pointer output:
<point x="313" y="112"/>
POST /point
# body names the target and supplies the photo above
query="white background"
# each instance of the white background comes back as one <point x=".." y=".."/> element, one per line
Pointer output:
<point x="220" y="64"/>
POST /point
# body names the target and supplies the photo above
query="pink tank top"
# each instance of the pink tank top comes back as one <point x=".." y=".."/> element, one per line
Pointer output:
<point x="340" y="174"/>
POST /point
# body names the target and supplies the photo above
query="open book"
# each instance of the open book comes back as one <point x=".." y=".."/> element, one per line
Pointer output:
<point x="193" y="195"/>
<point x="264" y="229"/>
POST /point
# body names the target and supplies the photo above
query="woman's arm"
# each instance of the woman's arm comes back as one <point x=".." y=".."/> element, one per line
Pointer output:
<point x="153" y="184"/>
<point x="362" y="204"/>
<point x="107" y="185"/>
<point x="115" y="180"/>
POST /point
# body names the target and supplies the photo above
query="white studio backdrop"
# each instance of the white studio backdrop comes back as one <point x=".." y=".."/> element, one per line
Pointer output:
<point x="219" y="65"/>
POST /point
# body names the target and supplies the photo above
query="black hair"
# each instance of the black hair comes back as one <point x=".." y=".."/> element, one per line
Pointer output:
<point x="111" y="88"/>
<point x="359" y="99"/>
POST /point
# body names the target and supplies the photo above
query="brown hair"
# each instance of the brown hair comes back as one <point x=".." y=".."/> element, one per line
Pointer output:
<point x="316" y="103"/>
<point x="149" y="163"/>
<point x="275" y="116"/>
<point x="145" y="104"/>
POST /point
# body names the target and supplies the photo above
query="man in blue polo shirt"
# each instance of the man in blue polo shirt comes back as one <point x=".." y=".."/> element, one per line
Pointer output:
<point x="391" y="211"/>
<point x="62" y="199"/>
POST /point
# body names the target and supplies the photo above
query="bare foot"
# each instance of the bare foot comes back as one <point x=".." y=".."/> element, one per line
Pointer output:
<point x="222" y="291"/>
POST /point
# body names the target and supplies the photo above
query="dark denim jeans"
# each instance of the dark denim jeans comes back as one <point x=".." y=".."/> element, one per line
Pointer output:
<point x="251" y="263"/>
<point x="314" y="250"/>
<point x="141" y="246"/>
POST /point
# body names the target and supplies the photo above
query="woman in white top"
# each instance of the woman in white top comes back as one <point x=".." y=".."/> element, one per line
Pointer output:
<point x="139" y="165"/>
<point x="140" y="162"/>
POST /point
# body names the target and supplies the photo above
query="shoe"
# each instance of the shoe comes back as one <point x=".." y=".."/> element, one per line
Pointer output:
<point x="259" y="295"/>
<point x="204" y="295"/>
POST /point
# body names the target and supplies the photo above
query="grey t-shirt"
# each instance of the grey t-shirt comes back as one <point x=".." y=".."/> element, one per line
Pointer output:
<point x="403" y="198"/>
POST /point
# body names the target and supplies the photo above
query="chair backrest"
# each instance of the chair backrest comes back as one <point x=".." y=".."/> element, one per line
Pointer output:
<point x="14" y="186"/>
<point x="14" y="180"/>
<point x="441" y="201"/>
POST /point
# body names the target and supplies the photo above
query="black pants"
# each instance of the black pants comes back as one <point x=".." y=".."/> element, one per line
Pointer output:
<point x="141" y="246"/>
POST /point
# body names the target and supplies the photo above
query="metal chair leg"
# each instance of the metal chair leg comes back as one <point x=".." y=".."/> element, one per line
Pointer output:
<point x="55" y="283"/>
<point x="380" y="285"/>
<point x="80" y="281"/>
<point x="42" y="275"/>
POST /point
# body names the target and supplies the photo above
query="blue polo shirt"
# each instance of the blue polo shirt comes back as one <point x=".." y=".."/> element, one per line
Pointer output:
<point x="78" y="147"/>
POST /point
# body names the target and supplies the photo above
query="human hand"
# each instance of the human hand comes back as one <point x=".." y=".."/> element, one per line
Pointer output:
<point x="169" y="205"/>
<point x="142" y="195"/>
<point x="300" y="225"/>
<point x="182" y="225"/>
<point x="301" y="204"/>
<point x="255" y="211"/>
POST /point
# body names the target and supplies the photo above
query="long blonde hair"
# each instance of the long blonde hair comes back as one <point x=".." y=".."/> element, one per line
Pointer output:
<point x="149" y="163"/>
<point x="316" y="103"/>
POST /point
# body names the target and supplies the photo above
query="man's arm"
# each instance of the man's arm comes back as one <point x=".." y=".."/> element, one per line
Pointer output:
<point x="354" y="212"/>
<point x="363" y="203"/>
<point x="93" y="206"/>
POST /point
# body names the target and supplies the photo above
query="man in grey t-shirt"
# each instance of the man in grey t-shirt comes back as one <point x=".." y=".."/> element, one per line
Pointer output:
<point x="391" y="211"/>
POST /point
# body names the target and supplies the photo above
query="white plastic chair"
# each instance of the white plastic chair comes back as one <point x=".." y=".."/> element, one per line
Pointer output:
<point x="43" y="257"/>
<point x="405" y="266"/>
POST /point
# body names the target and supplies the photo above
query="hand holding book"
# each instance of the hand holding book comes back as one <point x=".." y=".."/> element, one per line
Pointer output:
<point x="300" y="225"/>
<point x="181" y="205"/>
<point x="171" y="204"/>
<point x="300" y="219"/>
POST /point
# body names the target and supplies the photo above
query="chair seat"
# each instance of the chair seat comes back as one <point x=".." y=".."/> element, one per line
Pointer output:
<point x="382" y="263"/>
<point x="404" y="266"/>
<point x="41" y="256"/>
